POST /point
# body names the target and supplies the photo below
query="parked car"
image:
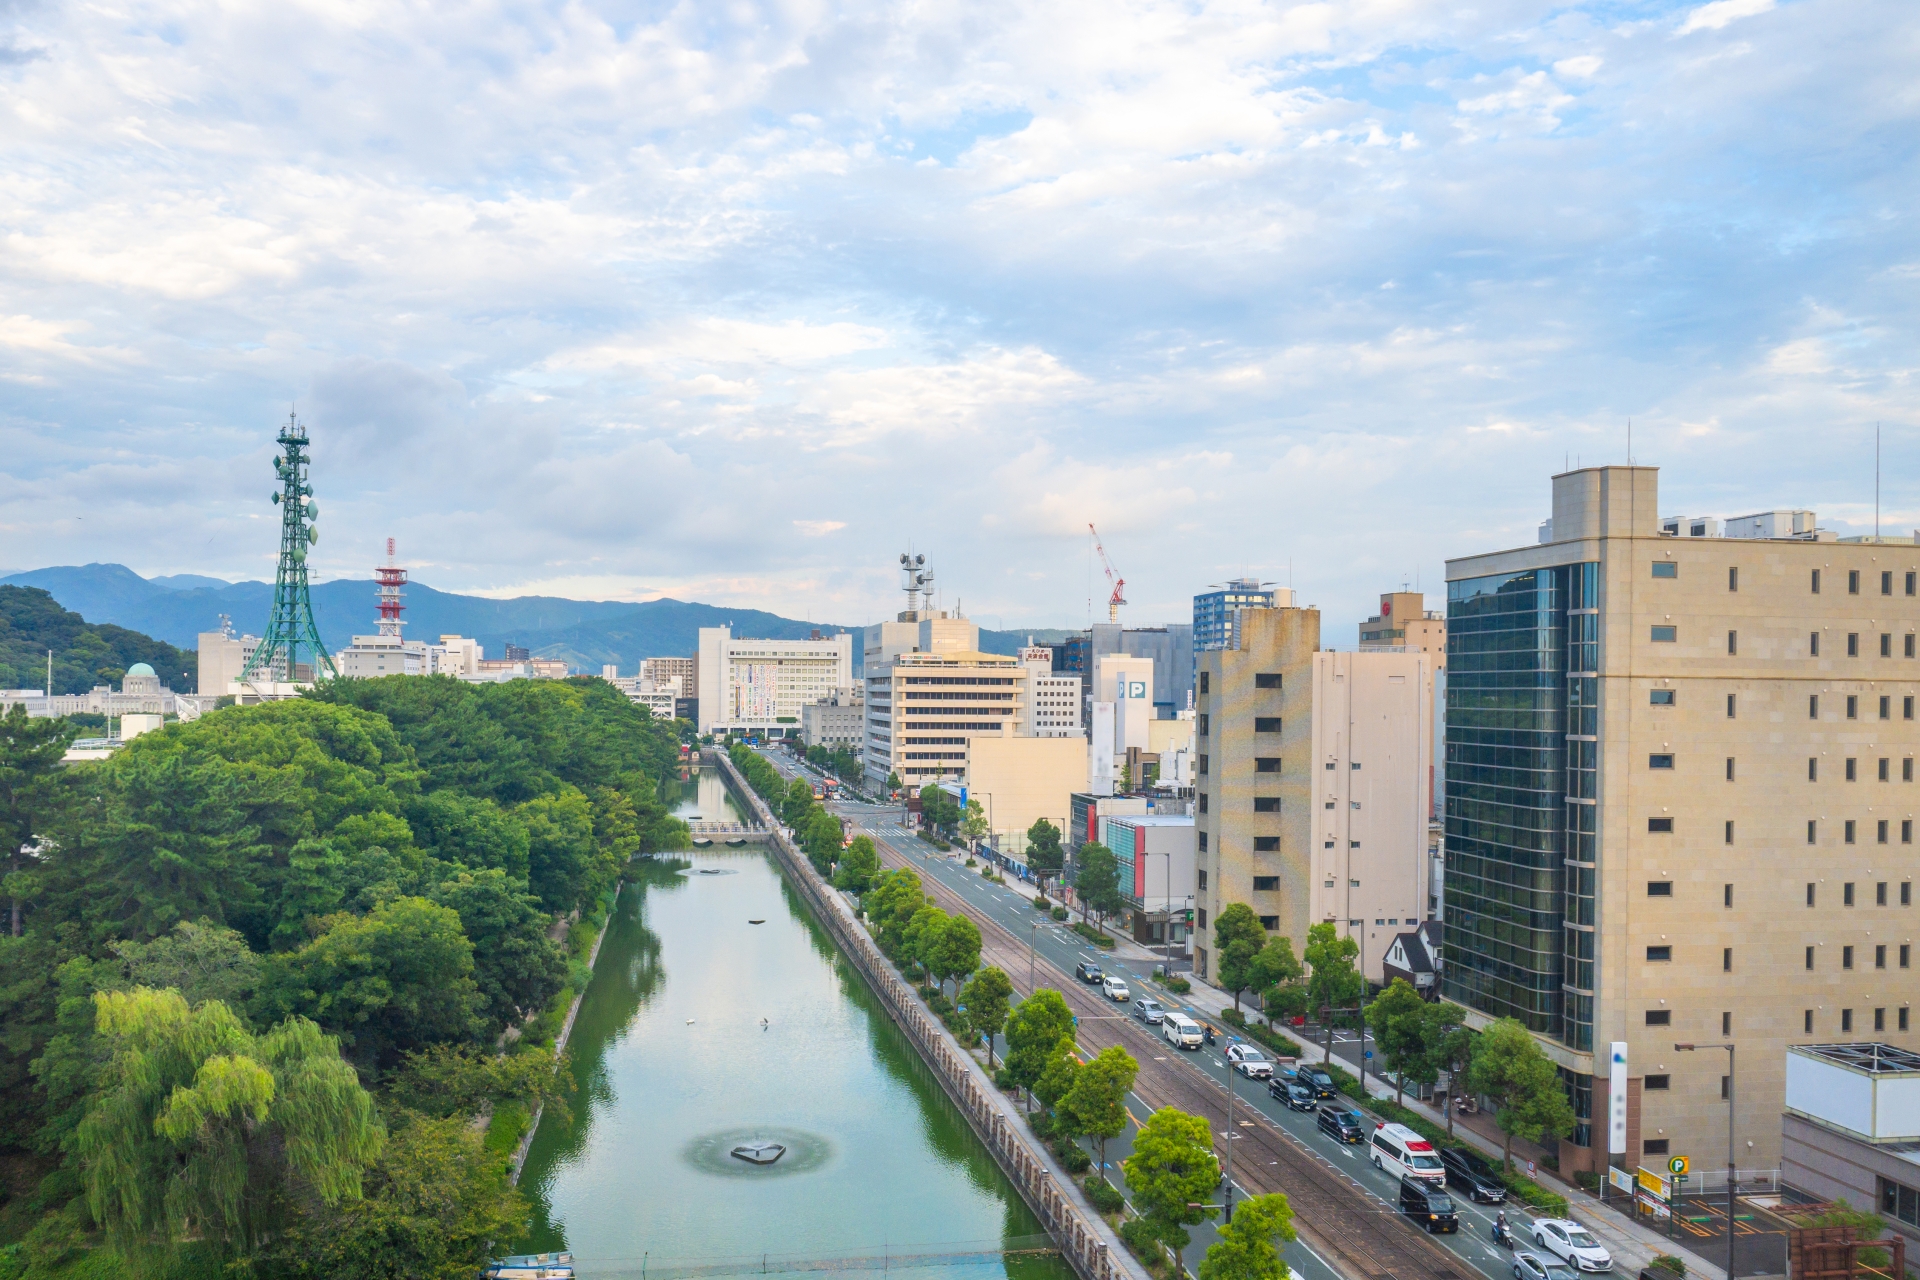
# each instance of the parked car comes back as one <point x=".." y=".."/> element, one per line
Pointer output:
<point x="1181" y="1032"/>
<point x="1428" y="1205"/>
<point x="1474" y="1174"/>
<point x="1531" y="1266"/>
<point x="1570" y="1242"/>
<point x="1297" y="1097"/>
<point x="1114" y="988"/>
<point x="1087" y="971"/>
<point x="1148" y="1010"/>
<point x="1342" y="1125"/>
<point x="1249" y="1062"/>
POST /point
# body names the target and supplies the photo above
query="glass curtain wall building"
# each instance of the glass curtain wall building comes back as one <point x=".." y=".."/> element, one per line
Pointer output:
<point x="1522" y="749"/>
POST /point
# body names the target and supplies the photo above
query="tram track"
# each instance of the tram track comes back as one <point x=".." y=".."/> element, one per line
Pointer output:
<point x="1336" y="1215"/>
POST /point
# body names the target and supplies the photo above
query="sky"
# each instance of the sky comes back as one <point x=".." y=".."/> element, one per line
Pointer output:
<point x="735" y="301"/>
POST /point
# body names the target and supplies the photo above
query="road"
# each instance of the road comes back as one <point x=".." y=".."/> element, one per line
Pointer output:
<point x="1346" y="1210"/>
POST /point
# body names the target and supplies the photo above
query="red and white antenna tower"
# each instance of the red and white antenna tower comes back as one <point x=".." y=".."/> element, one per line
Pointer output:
<point x="391" y="578"/>
<point x="1119" y="596"/>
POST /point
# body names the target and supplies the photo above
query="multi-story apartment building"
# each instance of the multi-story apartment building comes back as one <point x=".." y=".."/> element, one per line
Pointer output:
<point x="1053" y="701"/>
<point x="677" y="674"/>
<point x="1213" y="610"/>
<point x="1680" y="803"/>
<point x="1405" y="622"/>
<point x="1310" y="783"/>
<point x="924" y="707"/>
<point x="837" y="720"/>
<point x="760" y="686"/>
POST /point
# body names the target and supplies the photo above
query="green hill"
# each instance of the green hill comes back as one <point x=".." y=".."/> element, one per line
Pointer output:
<point x="84" y="654"/>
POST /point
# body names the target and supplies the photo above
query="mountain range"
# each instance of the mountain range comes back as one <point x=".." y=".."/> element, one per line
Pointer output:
<point x="583" y="633"/>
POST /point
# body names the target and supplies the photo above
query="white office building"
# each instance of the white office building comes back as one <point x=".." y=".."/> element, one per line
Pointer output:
<point x="761" y="686"/>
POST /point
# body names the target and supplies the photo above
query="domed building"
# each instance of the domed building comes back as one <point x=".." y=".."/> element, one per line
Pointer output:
<point x="140" y="681"/>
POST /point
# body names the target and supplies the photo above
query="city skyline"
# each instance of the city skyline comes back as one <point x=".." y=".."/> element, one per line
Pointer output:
<point x="733" y="308"/>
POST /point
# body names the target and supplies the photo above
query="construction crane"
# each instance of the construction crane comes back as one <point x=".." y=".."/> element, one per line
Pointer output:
<point x="1119" y="596"/>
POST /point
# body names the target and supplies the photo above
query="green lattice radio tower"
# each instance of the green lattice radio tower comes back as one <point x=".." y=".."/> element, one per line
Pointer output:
<point x="291" y="627"/>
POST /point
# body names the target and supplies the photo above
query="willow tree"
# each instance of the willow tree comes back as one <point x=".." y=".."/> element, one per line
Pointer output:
<point x="199" y="1128"/>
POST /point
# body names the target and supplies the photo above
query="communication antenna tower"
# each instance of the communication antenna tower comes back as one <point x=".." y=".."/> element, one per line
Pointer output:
<point x="290" y="626"/>
<point x="1119" y="596"/>
<point x="391" y="578"/>
<point x="911" y="568"/>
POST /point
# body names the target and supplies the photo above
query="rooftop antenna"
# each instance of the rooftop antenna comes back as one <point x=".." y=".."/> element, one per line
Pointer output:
<point x="1876" y="482"/>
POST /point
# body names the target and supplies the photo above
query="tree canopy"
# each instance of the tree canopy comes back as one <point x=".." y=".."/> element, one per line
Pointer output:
<point x="1523" y="1082"/>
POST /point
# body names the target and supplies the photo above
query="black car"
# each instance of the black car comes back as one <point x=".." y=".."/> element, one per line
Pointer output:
<point x="1429" y="1205"/>
<point x="1317" y="1080"/>
<point x="1088" y="971"/>
<point x="1344" y="1125"/>
<point x="1474" y="1174"/>
<point x="1298" y="1097"/>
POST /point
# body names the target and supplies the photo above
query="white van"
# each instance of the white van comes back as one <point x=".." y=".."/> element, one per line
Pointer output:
<point x="1114" y="987"/>
<point x="1405" y="1154"/>
<point x="1181" y="1031"/>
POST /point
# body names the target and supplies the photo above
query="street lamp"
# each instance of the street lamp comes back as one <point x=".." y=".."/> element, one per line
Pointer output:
<point x="1689" y="1048"/>
<point x="1035" y="933"/>
<point x="1229" y="1178"/>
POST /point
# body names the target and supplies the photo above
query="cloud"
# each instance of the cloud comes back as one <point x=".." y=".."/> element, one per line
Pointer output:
<point x="1715" y="16"/>
<point x="819" y="528"/>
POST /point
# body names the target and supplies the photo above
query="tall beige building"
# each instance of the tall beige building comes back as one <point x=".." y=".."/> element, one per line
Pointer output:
<point x="930" y="691"/>
<point x="1405" y="622"/>
<point x="1680" y="803"/>
<point x="1310" y="780"/>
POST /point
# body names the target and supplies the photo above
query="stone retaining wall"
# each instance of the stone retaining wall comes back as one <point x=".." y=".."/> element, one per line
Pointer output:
<point x="1085" y="1239"/>
<point x="519" y="1157"/>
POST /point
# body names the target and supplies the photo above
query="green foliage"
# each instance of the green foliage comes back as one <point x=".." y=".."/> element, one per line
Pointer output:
<point x="798" y="808"/>
<point x="951" y="949"/>
<point x="201" y="961"/>
<point x="761" y="776"/>
<point x="1335" y="982"/>
<point x="859" y="866"/>
<point x="1512" y="1069"/>
<point x="1058" y="1071"/>
<point x="30" y="751"/>
<point x="893" y="781"/>
<point x="938" y="810"/>
<point x="974" y="824"/>
<point x="1401" y="1029"/>
<point x="1274" y="968"/>
<point x="435" y="1203"/>
<point x="1237" y="939"/>
<point x="1093" y="935"/>
<point x="84" y="654"/>
<point x="516" y="967"/>
<point x="565" y="868"/>
<point x="985" y="998"/>
<point x="1103" y="1195"/>
<point x="387" y="983"/>
<point x="197" y="1125"/>
<point x="1245" y="1249"/>
<point x="1173" y="1174"/>
<point x="1035" y="1026"/>
<point x="1097" y="1102"/>
<point x="823" y="834"/>
<point x="1097" y="880"/>
<point x="1044" y="855"/>
<point x="447" y="1080"/>
<point x="891" y="904"/>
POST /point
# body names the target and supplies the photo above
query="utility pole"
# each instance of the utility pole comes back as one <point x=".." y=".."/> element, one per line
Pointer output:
<point x="1731" y="1171"/>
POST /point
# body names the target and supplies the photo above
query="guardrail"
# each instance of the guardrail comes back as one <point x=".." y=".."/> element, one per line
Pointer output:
<point x="1085" y="1240"/>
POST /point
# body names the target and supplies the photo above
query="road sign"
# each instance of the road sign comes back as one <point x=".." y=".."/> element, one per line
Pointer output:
<point x="1678" y="1165"/>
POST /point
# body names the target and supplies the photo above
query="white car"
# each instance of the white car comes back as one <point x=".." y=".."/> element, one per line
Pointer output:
<point x="1249" y="1062"/>
<point x="1114" y="987"/>
<point x="1181" y="1031"/>
<point x="1571" y="1242"/>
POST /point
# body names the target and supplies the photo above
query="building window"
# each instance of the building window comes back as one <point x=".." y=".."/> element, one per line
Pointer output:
<point x="1853" y="582"/>
<point x="1813" y="706"/>
<point x="1266" y="844"/>
<point x="1200" y="876"/>
<point x="1886" y="769"/>
<point x="1809" y="893"/>
<point x="1655" y="1146"/>
<point x="1203" y="849"/>
<point x="1729" y="768"/>
<point x="1726" y="959"/>
<point x="1726" y="1024"/>
<point x="1731" y="704"/>
<point x="1663" y="826"/>
<point x="1204" y="721"/>
<point x="1203" y="954"/>
<point x="1853" y="644"/>
<point x="1880" y="956"/>
<point x="1852" y="769"/>
<point x="1809" y="957"/>
<point x="1203" y="802"/>
<point x="1853" y="706"/>
<point x="1733" y="577"/>
<point x="1269" y="923"/>
<point x="1266" y="680"/>
<point x="1816" y="582"/>
<point x="1659" y="955"/>
<point x="1886" y="707"/>
<point x="1659" y="1017"/>
<point x="1661" y="697"/>
<point x="1846" y="894"/>
<point x="1733" y="642"/>
<point x="1849" y="838"/>
<point x="1203" y="766"/>
<point x="1656" y="1082"/>
<point x="1266" y="884"/>
<point x="1729" y="839"/>
<point x="1665" y="569"/>
<point x="1726" y="895"/>
<point x="1813" y="768"/>
<point x="1806" y="1022"/>
<point x="1205" y="674"/>
<point x="1664" y="635"/>
<point x="1813" y="644"/>
<point x="1266" y="804"/>
<point x="1660" y="762"/>
<point x="1659" y="888"/>
<point x="1881" y="833"/>
<point x="1846" y="1022"/>
<point x="1266" y="764"/>
<point x="1813" y="825"/>
<point x="1846" y="957"/>
<point x="1266" y="724"/>
<point x="1886" y="645"/>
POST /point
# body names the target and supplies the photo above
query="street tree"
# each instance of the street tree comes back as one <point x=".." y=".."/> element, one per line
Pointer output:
<point x="1334" y="982"/>
<point x="1033" y="1028"/>
<point x="199" y="1128"/>
<point x="1044" y="856"/>
<point x="986" y="997"/>
<point x="952" y="949"/>
<point x="30" y="752"/>
<point x="1237" y="939"/>
<point x="1273" y="967"/>
<point x="1452" y="1051"/>
<point x="1057" y="1076"/>
<point x="1525" y="1085"/>
<point x="974" y="825"/>
<point x="1245" y="1250"/>
<point x="1173" y="1173"/>
<point x="1098" y="1099"/>
<point x="923" y="935"/>
<point x="893" y="781"/>
<point x="798" y="804"/>
<point x="1401" y="1033"/>
<point x="859" y="866"/>
<point x="1098" y="882"/>
<point x="823" y="836"/>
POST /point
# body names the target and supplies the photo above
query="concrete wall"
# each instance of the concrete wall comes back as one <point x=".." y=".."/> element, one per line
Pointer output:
<point x="1019" y="780"/>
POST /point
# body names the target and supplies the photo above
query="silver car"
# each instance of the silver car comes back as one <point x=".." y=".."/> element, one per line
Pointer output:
<point x="1148" y="1010"/>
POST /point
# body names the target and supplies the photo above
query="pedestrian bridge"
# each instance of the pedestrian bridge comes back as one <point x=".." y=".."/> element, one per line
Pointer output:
<point x="714" y="829"/>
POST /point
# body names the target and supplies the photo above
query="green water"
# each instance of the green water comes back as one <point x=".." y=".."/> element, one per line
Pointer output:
<point x="672" y="1068"/>
<point x="702" y="793"/>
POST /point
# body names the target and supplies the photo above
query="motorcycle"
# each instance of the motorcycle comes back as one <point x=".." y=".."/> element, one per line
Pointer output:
<point x="1503" y="1234"/>
<point x="1206" y="1035"/>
